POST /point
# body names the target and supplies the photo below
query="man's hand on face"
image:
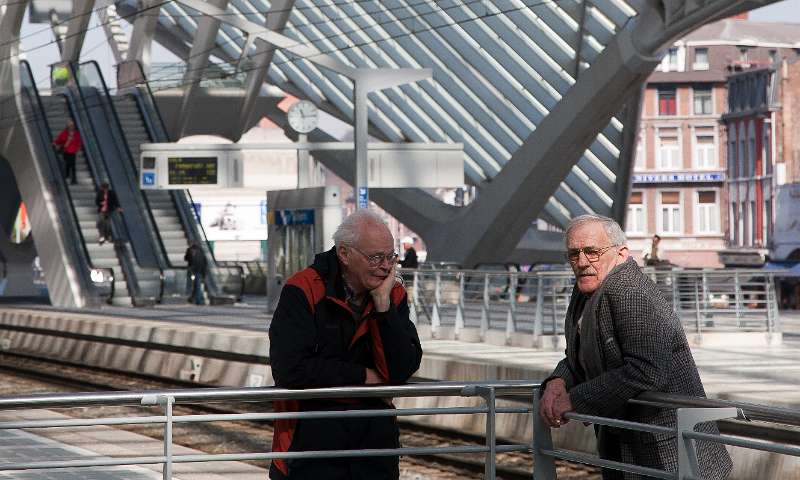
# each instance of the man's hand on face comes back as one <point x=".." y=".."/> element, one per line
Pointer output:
<point x="382" y="293"/>
<point x="555" y="403"/>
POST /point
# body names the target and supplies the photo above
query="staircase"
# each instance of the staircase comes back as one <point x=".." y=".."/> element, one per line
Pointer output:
<point x="83" y="194"/>
<point x="161" y="204"/>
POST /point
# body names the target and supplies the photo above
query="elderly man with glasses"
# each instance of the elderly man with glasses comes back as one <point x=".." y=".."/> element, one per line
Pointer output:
<point x="343" y="321"/>
<point x="623" y="338"/>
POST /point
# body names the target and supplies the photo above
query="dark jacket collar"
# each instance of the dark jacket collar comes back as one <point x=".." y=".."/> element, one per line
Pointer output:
<point x="327" y="266"/>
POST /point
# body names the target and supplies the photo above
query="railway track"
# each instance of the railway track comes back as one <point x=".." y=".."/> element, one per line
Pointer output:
<point x="37" y="375"/>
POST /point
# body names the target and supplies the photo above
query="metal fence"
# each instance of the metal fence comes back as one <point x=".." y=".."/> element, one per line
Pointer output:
<point x="690" y="411"/>
<point x="163" y="403"/>
<point x="536" y="302"/>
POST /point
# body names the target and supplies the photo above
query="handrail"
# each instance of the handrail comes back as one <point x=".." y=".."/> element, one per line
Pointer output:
<point x="261" y="394"/>
<point x="56" y="177"/>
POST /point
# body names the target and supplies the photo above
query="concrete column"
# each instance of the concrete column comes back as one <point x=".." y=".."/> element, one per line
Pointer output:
<point x="76" y="30"/>
<point x="144" y="30"/>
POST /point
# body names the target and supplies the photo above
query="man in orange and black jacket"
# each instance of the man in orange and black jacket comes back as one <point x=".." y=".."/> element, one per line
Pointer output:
<point x="342" y="321"/>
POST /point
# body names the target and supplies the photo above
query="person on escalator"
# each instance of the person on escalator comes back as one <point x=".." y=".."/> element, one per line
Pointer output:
<point x="198" y="264"/>
<point x="107" y="203"/>
<point x="67" y="143"/>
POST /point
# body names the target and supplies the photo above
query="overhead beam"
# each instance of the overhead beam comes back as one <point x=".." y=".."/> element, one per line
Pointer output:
<point x="205" y="39"/>
<point x="76" y="30"/>
<point x="276" y="19"/>
<point x="144" y="31"/>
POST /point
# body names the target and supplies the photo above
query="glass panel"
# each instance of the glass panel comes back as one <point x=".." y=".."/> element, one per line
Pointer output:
<point x="670" y="198"/>
<point x="636" y="197"/>
<point x="707" y="197"/>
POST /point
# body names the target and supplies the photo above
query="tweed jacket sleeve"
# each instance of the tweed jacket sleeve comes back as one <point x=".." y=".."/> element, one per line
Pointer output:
<point x="637" y="332"/>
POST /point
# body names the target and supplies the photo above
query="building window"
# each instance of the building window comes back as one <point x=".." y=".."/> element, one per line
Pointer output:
<point x="670" y="213"/>
<point x="672" y="59"/>
<point x="700" y="59"/>
<point x="636" y="221"/>
<point x="703" y="104"/>
<point x="734" y="219"/>
<point x="639" y="161"/>
<point x="743" y="57"/>
<point x="773" y="56"/>
<point x="732" y="171"/>
<point x="667" y="101"/>
<point x="705" y="148"/>
<point x="669" y="152"/>
<point x="706" y="212"/>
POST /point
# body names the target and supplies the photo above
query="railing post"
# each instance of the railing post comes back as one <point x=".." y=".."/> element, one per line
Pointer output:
<point x="511" y="318"/>
<point x="437" y="291"/>
<point x="687" y="419"/>
<point x="414" y="297"/>
<point x="166" y="402"/>
<point x="737" y="294"/>
<point x="705" y="294"/>
<point x="676" y="299"/>
<point x="554" y="303"/>
<point x="539" y="315"/>
<point x="488" y="394"/>
<point x="544" y="466"/>
<point x="696" y="306"/>
<point x="459" y="323"/>
<point x="485" y="312"/>
<point x="773" y="305"/>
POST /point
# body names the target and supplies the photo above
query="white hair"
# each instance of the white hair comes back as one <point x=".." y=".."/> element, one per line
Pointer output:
<point x="615" y="234"/>
<point x="349" y="231"/>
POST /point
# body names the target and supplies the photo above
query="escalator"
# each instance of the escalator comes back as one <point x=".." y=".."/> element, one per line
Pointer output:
<point x="175" y="220"/>
<point x="79" y="272"/>
<point x="82" y="197"/>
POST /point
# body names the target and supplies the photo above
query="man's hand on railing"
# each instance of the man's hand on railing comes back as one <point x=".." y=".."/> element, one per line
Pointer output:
<point x="555" y="403"/>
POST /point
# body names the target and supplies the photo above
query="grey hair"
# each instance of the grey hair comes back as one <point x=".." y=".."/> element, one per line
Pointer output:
<point x="615" y="234"/>
<point x="349" y="231"/>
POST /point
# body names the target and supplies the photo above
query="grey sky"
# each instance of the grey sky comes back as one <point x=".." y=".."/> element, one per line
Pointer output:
<point x="785" y="11"/>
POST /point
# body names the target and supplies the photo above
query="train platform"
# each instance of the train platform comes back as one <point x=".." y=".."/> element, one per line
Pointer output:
<point x="228" y="346"/>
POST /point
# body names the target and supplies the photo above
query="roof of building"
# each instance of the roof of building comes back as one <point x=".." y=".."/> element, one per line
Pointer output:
<point x="741" y="32"/>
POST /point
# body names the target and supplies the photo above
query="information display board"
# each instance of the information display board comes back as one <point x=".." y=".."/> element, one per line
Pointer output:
<point x="192" y="170"/>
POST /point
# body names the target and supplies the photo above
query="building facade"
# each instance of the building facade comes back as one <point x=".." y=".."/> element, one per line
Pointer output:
<point x="763" y="169"/>
<point x="681" y="169"/>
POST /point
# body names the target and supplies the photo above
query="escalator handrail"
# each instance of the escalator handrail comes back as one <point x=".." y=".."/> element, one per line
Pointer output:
<point x="57" y="180"/>
<point x="117" y="132"/>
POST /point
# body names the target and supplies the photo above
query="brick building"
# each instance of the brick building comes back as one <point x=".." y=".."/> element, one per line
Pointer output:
<point x="764" y="165"/>
<point x="680" y="171"/>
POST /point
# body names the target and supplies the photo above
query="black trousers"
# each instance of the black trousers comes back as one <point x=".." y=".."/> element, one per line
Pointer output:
<point x="69" y="166"/>
<point x="343" y="434"/>
<point x="104" y="226"/>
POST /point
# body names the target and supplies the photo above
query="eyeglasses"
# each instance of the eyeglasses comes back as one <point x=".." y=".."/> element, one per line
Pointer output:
<point x="378" y="258"/>
<point x="593" y="254"/>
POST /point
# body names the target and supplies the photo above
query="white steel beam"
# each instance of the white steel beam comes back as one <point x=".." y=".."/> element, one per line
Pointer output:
<point x="76" y="30"/>
<point x="144" y="30"/>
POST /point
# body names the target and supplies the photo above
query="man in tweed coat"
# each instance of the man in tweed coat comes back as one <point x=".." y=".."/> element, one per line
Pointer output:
<point x="623" y="338"/>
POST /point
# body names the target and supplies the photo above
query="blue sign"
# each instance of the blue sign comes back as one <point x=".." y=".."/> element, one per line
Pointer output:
<point x="684" y="177"/>
<point x="362" y="197"/>
<point x="198" y="209"/>
<point x="263" y="219"/>
<point x="294" y="217"/>
<point x="149" y="179"/>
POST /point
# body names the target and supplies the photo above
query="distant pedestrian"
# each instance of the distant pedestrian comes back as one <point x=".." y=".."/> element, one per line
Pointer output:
<point x="410" y="258"/>
<point x="68" y="143"/>
<point x="107" y="203"/>
<point x="196" y="260"/>
<point x="623" y="339"/>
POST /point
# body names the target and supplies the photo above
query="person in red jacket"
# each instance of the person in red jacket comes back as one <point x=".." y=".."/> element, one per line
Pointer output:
<point x="342" y="321"/>
<point x="68" y="142"/>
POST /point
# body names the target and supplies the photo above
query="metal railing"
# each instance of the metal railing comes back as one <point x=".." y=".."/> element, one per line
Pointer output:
<point x="536" y="302"/>
<point x="690" y="412"/>
<point x="165" y="401"/>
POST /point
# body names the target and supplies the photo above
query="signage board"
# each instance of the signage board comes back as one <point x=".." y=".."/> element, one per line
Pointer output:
<point x="192" y="170"/>
<point x="680" y="177"/>
<point x="303" y="216"/>
<point x="362" y="197"/>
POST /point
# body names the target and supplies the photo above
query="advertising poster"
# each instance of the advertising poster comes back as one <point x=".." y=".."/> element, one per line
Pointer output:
<point x="232" y="216"/>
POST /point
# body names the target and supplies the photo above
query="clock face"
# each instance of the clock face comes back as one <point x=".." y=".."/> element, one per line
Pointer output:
<point x="303" y="116"/>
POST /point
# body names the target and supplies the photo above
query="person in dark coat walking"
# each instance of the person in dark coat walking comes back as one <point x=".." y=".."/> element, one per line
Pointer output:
<point x="68" y="143"/>
<point x="410" y="258"/>
<point x="196" y="260"/>
<point x="623" y="338"/>
<point x="342" y="321"/>
<point x="107" y="203"/>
